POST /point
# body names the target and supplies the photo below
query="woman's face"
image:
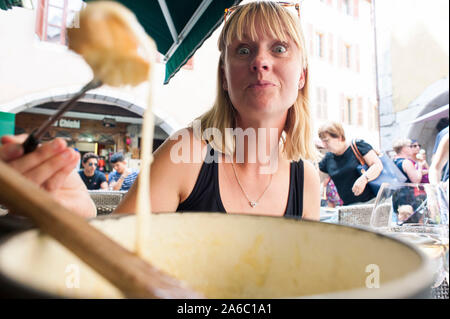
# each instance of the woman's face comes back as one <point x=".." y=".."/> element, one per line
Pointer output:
<point x="408" y="150"/>
<point x="332" y="144"/>
<point x="262" y="77"/>
<point x="415" y="147"/>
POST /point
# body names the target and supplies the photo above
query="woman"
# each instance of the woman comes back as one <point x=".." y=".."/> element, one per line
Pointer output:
<point x="407" y="199"/>
<point x="403" y="160"/>
<point x="262" y="88"/>
<point x="340" y="163"/>
<point x="418" y="155"/>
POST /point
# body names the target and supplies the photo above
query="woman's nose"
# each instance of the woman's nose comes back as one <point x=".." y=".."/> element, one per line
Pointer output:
<point x="261" y="62"/>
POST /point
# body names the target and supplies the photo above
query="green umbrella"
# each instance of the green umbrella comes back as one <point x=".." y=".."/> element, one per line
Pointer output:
<point x="179" y="27"/>
<point x="8" y="4"/>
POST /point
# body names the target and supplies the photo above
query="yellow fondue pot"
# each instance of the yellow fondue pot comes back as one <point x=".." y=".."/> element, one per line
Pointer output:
<point x="230" y="256"/>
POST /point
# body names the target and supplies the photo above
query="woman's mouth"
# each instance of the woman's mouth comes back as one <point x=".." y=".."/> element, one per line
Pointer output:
<point x="261" y="85"/>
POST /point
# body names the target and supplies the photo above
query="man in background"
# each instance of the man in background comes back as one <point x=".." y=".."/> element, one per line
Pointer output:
<point x="123" y="177"/>
<point x="92" y="178"/>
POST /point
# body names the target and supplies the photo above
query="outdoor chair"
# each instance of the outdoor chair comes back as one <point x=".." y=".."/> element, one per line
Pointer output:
<point x="359" y="215"/>
<point x="106" y="201"/>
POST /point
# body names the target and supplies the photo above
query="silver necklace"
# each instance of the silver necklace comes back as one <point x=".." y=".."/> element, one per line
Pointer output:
<point x="252" y="203"/>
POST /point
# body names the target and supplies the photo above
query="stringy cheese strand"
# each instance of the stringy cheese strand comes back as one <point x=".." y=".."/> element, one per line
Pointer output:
<point x="143" y="203"/>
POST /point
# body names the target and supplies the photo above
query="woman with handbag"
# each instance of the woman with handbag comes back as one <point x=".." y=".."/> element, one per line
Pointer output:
<point x="341" y="164"/>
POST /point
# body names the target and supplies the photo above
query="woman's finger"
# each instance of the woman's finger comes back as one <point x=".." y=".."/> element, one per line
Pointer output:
<point x="19" y="139"/>
<point x="57" y="180"/>
<point x="9" y="152"/>
<point x="45" y="170"/>
<point x="40" y="155"/>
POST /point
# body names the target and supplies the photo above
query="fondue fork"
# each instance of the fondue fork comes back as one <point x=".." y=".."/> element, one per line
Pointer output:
<point x="33" y="139"/>
<point x="124" y="269"/>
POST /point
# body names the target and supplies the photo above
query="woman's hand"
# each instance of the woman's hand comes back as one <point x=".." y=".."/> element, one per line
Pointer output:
<point x="359" y="185"/>
<point x="374" y="170"/>
<point x="51" y="166"/>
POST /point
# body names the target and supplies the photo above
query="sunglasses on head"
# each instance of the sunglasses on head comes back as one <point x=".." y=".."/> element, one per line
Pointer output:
<point x="285" y="4"/>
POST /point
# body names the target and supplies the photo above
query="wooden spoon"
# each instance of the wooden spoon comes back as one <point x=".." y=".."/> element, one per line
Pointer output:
<point x="125" y="270"/>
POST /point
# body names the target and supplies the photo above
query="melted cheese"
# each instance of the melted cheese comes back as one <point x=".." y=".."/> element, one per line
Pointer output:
<point x="109" y="39"/>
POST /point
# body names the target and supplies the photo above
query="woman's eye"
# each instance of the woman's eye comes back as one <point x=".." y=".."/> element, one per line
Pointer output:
<point x="243" y="51"/>
<point x="280" y="49"/>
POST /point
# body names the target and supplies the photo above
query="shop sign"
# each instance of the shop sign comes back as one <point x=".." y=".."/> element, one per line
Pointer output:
<point x="67" y="123"/>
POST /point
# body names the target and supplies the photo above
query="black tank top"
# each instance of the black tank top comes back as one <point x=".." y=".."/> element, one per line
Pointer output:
<point x="205" y="197"/>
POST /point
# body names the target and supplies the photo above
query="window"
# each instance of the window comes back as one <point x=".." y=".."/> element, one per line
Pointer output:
<point x="348" y="104"/>
<point x="319" y="45"/>
<point x="322" y="104"/>
<point x="356" y="8"/>
<point x="360" y="120"/>
<point x="54" y="16"/>
<point x="330" y="47"/>
<point x="346" y="7"/>
<point x="189" y="64"/>
<point x="372" y="118"/>
<point x="357" y="59"/>
<point x="347" y="50"/>
<point x="310" y="39"/>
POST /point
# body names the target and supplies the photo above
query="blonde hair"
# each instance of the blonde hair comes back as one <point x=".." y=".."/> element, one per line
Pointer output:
<point x="334" y="129"/>
<point x="296" y="138"/>
<point x="400" y="144"/>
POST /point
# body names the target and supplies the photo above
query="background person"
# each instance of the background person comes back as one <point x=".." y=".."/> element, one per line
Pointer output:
<point x="122" y="178"/>
<point x="340" y="163"/>
<point x="403" y="159"/>
<point x="407" y="200"/>
<point x="419" y="155"/>
<point x="92" y="178"/>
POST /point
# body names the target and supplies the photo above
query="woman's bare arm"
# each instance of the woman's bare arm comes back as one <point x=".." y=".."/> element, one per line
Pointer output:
<point x="311" y="193"/>
<point x="414" y="175"/>
<point x="439" y="160"/>
<point x="375" y="168"/>
<point x="171" y="180"/>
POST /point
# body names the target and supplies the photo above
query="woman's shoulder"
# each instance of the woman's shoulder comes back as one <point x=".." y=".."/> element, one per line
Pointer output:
<point x="182" y="145"/>
<point x="328" y="156"/>
<point x="180" y="159"/>
<point x="307" y="167"/>
<point x="363" y="146"/>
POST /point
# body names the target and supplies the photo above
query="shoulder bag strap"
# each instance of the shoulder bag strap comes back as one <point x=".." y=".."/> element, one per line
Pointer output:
<point x="357" y="153"/>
